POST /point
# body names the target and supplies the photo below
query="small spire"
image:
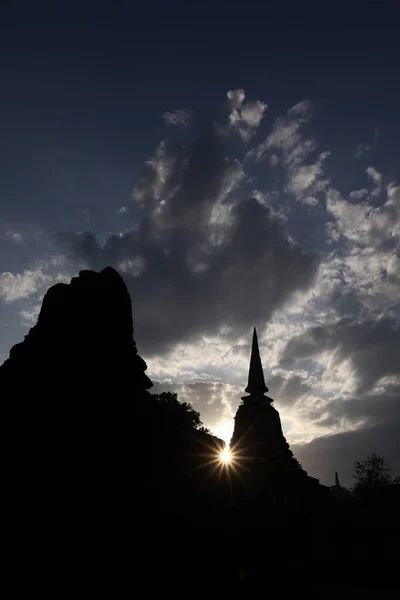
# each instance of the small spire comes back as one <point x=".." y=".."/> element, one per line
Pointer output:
<point x="337" y="483"/>
<point x="256" y="383"/>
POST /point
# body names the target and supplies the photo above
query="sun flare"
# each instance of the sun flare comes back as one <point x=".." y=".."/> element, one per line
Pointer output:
<point x="225" y="456"/>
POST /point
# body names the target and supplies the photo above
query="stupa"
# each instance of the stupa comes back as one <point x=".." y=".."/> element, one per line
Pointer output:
<point x="261" y="454"/>
<point x="258" y="435"/>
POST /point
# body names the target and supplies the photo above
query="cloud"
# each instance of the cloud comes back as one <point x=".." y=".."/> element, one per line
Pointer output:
<point x="376" y="178"/>
<point x="372" y="347"/>
<point x="379" y="405"/>
<point x="22" y="285"/>
<point x="134" y="266"/>
<point x="206" y="259"/>
<point x="31" y="283"/>
<point x="340" y="371"/>
<point x="364" y="224"/>
<point x="359" y="194"/>
<point x="309" y="200"/>
<point x="349" y="342"/>
<point x="157" y="182"/>
<point x="286" y="137"/>
<point x="178" y="117"/>
<point x="286" y="144"/>
<point x="29" y="316"/>
<point x="289" y="387"/>
<point x="244" y="118"/>
<point x="364" y="193"/>
<point x="194" y="281"/>
<point x="183" y="185"/>
<point x="303" y="178"/>
<point x="211" y="255"/>
<point x="207" y="253"/>
<point x="371" y="262"/>
<point x="340" y="377"/>
<point x="267" y="199"/>
<point x="16" y="236"/>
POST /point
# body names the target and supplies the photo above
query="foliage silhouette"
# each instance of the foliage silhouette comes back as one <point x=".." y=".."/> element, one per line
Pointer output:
<point x="181" y="414"/>
<point x="371" y="473"/>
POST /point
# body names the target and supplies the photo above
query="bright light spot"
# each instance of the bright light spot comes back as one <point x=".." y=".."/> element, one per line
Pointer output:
<point x="224" y="430"/>
<point x="225" y="456"/>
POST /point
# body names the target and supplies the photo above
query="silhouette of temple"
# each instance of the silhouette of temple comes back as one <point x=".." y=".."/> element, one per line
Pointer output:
<point x="261" y="453"/>
<point x="78" y="376"/>
<point x="98" y="473"/>
<point x="258" y="432"/>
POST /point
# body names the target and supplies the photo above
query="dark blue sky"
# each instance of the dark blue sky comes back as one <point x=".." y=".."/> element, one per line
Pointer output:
<point x="84" y="85"/>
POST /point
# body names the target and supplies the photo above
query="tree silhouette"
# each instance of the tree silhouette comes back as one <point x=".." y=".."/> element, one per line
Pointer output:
<point x="182" y="414"/>
<point x="371" y="474"/>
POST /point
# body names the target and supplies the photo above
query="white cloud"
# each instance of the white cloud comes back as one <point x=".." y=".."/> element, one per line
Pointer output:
<point x="244" y="118"/>
<point x="364" y="224"/>
<point x="374" y="277"/>
<point x="286" y="144"/>
<point x="358" y="194"/>
<point x="286" y="136"/>
<point x="122" y="210"/>
<point x="134" y="266"/>
<point x="156" y="183"/>
<point x="302" y="178"/>
<point x="22" y="285"/>
<point x="268" y="199"/>
<point x="376" y="178"/>
<point x="309" y="200"/>
<point x="29" y="316"/>
<point x="177" y="117"/>
<point x="351" y="218"/>
<point x="301" y="109"/>
<point x="370" y="266"/>
<point x="33" y="282"/>
<point x="236" y="98"/>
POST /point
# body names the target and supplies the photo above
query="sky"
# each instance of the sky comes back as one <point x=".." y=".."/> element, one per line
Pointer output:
<point x="239" y="165"/>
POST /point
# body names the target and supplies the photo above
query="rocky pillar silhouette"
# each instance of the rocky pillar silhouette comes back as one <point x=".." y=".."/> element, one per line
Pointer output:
<point x="74" y="392"/>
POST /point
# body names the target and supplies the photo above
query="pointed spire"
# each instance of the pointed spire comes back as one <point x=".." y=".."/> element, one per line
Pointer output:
<point x="256" y="384"/>
<point x="337" y="483"/>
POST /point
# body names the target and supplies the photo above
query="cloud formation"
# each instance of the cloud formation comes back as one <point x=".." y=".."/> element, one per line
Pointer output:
<point x="371" y="347"/>
<point x="372" y="258"/>
<point x="177" y="117"/>
<point x="204" y="254"/>
<point x="244" y="117"/>
<point x="206" y="247"/>
<point x="287" y="145"/>
<point x="23" y="285"/>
